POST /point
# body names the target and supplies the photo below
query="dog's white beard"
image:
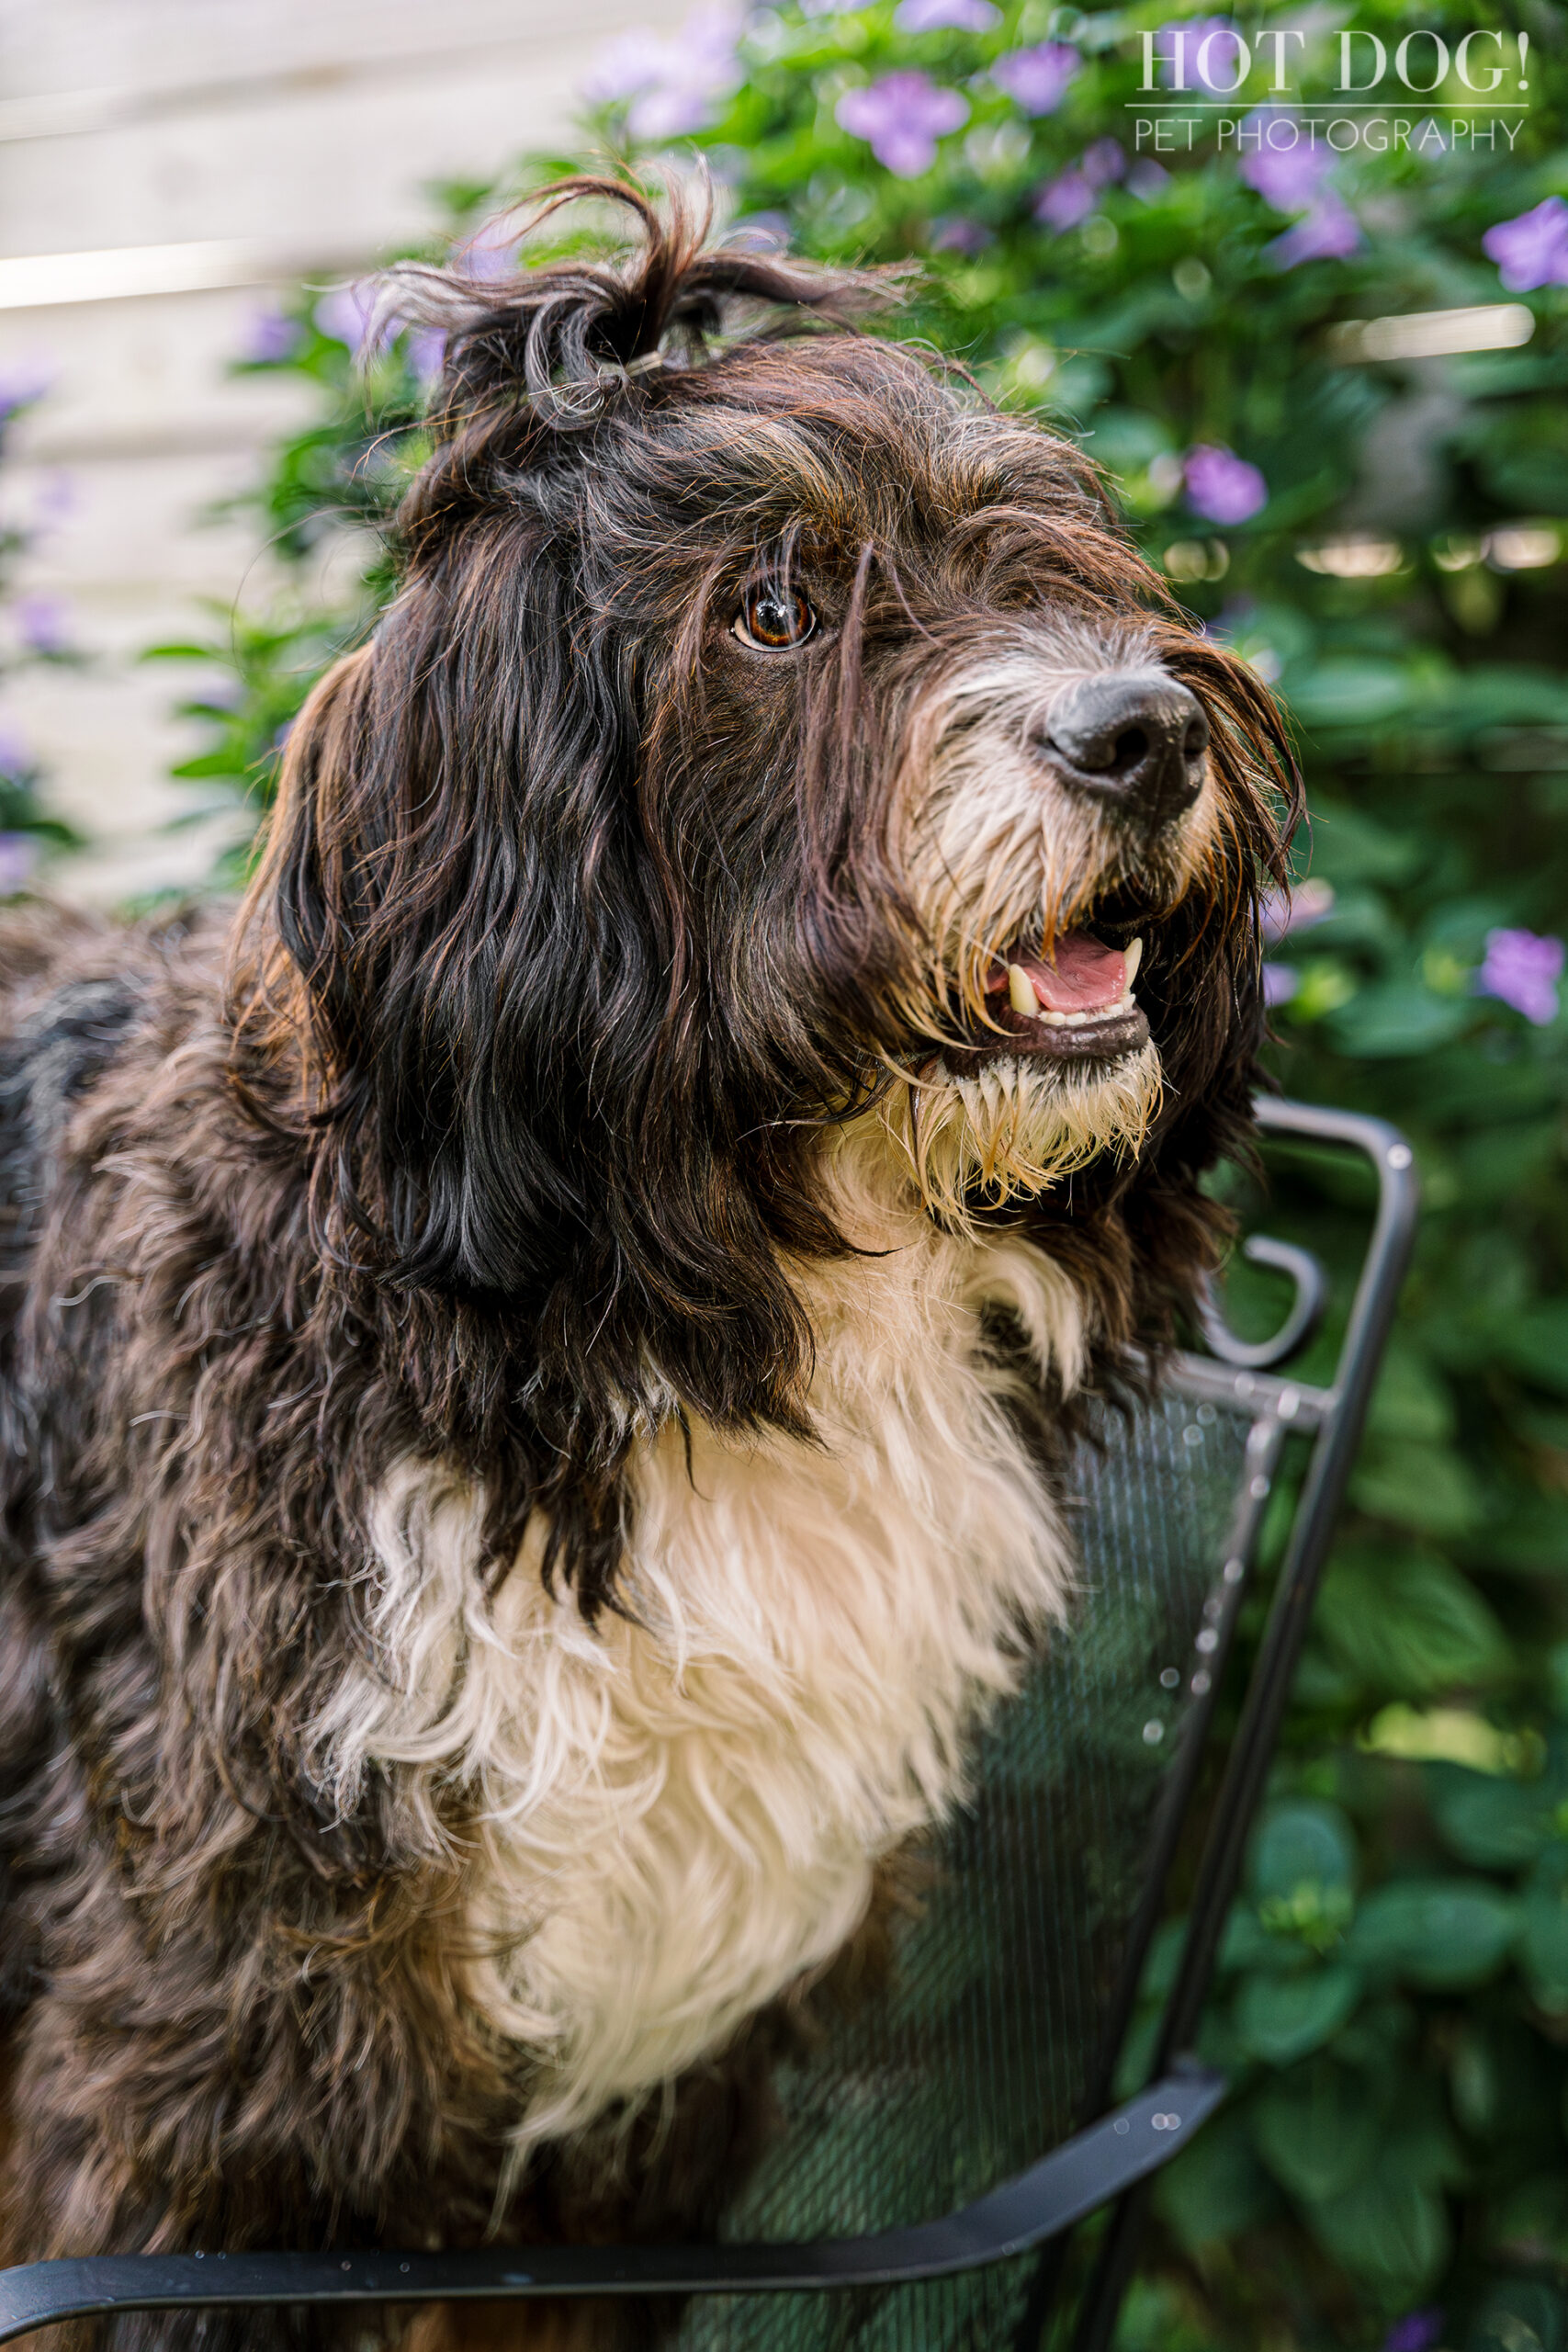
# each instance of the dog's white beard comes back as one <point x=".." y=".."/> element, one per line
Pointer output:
<point x="1016" y="1126"/>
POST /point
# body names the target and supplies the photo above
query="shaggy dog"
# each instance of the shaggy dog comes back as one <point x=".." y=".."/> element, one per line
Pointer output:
<point x="534" y="1359"/>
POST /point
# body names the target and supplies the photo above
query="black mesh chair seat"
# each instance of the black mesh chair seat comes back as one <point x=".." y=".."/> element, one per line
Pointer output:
<point x="936" y="2140"/>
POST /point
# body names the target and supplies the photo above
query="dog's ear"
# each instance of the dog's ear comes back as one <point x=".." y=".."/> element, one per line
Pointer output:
<point x="436" y="893"/>
<point x="460" y="942"/>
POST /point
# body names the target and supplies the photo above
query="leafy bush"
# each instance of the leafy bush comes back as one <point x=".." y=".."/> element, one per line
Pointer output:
<point x="1383" y="539"/>
<point x="34" y="632"/>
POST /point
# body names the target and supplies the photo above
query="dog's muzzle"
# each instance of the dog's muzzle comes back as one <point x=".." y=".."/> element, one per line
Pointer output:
<point x="1075" y="1005"/>
<point x="1135" y="742"/>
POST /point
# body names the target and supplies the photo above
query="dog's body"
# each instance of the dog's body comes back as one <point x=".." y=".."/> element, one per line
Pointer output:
<point x="532" y="1368"/>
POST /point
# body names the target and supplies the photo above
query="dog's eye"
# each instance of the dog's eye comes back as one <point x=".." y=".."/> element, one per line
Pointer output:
<point x="774" y="618"/>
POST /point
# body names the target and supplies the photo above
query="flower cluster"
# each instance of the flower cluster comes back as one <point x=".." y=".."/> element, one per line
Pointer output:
<point x="946" y="16"/>
<point x="1221" y="487"/>
<point x="1063" y="202"/>
<point x="670" y="86"/>
<point x="1290" y="172"/>
<point x="1036" y="79"/>
<point x="901" y="118"/>
<point x="1532" y="249"/>
<point x="1522" y="969"/>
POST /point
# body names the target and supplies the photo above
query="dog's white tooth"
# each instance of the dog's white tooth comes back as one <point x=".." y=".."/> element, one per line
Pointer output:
<point x="1133" y="958"/>
<point x="1021" y="992"/>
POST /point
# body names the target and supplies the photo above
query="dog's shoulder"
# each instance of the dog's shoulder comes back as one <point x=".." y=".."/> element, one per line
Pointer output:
<point x="75" y="991"/>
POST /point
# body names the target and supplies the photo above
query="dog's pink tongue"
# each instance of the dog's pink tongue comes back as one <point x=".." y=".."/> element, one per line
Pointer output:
<point x="1085" y="976"/>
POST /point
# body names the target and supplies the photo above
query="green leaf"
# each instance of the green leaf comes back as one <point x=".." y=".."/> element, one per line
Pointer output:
<point x="1318" y="2128"/>
<point x="1349" y="693"/>
<point x="1398" y="1017"/>
<point x="1520" y="2315"/>
<point x="1435" y="1932"/>
<point x="1530" y="1538"/>
<point x="1390" y="2230"/>
<point x="1428" y="1488"/>
<point x="1497" y="2084"/>
<point x="1216" y="2186"/>
<point x="1536" y="1344"/>
<point x="1301" y="1844"/>
<point x="1530" y="2222"/>
<point x="1412" y="1399"/>
<point x="1543" y="1949"/>
<point x="1281" y="2019"/>
<point x="212" y="763"/>
<point x="1496" y="1824"/>
<point x="1407" y="1622"/>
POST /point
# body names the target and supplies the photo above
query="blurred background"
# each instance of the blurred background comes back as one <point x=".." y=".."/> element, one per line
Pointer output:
<point x="163" y="163"/>
<point x="1320" y="346"/>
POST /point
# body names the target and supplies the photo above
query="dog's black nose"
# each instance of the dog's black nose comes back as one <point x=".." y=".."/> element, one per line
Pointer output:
<point x="1133" y="739"/>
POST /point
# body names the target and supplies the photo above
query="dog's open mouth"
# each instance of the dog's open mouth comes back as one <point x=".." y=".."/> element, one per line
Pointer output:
<point x="1075" y="1004"/>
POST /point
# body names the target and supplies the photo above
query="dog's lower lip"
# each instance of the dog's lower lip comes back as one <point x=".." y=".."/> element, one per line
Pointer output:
<point x="1120" y="1030"/>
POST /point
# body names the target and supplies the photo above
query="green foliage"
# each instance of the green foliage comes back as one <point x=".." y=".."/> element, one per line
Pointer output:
<point x="33" y="634"/>
<point x="1392" y="1998"/>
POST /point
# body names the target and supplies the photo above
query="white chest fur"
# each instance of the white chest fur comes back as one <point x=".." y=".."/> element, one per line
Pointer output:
<point x="679" y="1816"/>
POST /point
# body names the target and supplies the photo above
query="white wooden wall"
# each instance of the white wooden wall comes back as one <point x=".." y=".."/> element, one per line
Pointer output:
<point x="210" y="146"/>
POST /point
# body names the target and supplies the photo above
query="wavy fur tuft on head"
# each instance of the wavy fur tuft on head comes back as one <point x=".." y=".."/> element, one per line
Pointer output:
<point x="566" y="335"/>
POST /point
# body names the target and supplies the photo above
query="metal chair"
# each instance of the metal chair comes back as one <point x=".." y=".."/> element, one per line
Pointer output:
<point x="938" y="2147"/>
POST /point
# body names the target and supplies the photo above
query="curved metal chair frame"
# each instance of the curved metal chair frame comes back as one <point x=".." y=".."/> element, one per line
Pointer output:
<point x="1124" y="2145"/>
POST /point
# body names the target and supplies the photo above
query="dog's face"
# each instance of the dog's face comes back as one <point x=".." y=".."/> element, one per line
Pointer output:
<point x="900" y="657"/>
<point x="756" y="744"/>
<point x="925" y="779"/>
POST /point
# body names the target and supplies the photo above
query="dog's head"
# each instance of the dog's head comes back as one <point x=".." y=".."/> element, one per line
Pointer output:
<point x="767" y="735"/>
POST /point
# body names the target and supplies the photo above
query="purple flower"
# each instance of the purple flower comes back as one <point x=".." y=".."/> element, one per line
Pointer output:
<point x="1328" y="233"/>
<point x="1298" y="909"/>
<point x="1280" y="982"/>
<point x="16" y="760"/>
<point x="1104" y="162"/>
<point x="490" y="252"/>
<point x="1286" y="169"/>
<point x="1185" y="40"/>
<point x="1221" y="487"/>
<point x="344" y="316"/>
<point x="1061" y="203"/>
<point x="944" y="15"/>
<point x="426" y="352"/>
<point x="20" y="387"/>
<point x="18" y="855"/>
<point x="1147" y="179"/>
<point x="1036" y="79"/>
<point x="1532" y="249"/>
<point x="1417" y="2332"/>
<point x="42" y="626"/>
<point x="1522" y="969"/>
<point x="901" y="118"/>
<point x="953" y="234"/>
<point x="631" y="63"/>
<point x="672" y="84"/>
<point x="269" y="337"/>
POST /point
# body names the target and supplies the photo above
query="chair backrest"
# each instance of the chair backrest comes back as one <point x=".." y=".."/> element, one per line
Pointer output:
<point x="1012" y="1986"/>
